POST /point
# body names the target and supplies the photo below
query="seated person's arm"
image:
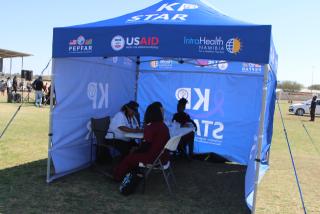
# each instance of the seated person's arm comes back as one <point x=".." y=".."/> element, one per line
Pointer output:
<point x="130" y="130"/>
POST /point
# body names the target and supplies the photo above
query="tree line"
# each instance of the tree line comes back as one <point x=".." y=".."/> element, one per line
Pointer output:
<point x="293" y="86"/>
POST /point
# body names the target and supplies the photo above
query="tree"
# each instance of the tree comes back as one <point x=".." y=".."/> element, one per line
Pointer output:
<point x="314" y="87"/>
<point x="290" y="86"/>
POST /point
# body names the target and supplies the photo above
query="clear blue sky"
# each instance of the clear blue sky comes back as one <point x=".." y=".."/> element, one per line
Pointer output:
<point x="27" y="26"/>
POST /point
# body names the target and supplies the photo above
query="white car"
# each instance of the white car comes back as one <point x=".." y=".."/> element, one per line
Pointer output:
<point x="303" y="108"/>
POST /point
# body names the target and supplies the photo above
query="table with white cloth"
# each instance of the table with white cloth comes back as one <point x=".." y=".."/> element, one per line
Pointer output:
<point x="174" y="131"/>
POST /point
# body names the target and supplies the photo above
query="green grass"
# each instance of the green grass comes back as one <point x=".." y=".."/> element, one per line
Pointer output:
<point x="203" y="187"/>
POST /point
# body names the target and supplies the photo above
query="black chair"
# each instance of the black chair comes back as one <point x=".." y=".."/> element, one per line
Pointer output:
<point x="102" y="146"/>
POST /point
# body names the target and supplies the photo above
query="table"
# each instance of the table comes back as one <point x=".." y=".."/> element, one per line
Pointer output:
<point x="173" y="132"/>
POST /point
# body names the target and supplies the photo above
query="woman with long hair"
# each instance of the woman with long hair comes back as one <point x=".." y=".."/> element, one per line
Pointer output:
<point x="156" y="135"/>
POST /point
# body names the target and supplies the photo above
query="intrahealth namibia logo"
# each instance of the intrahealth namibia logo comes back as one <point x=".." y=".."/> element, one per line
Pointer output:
<point x="80" y="45"/>
<point x="234" y="45"/>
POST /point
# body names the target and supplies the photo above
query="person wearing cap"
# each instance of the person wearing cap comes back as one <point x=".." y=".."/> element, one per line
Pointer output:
<point x="313" y="108"/>
<point x="184" y="119"/>
<point x="124" y="122"/>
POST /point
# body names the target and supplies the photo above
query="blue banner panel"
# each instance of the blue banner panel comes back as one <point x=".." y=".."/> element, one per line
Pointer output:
<point x="224" y="107"/>
<point x="200" y="65"/>
<point x="86" y="88"/>
<point x="239" y="43"/>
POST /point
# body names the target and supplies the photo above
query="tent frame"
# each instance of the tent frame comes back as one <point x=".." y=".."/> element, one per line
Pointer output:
<point x="260" y="138"/>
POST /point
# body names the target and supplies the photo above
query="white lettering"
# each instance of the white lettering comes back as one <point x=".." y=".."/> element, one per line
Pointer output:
<point x="182" y="17"/>
<point x="188" y="7"/>
<point x="163" y="16"/>
<point x="167" y="7"/>
<point x="92" y="93"/>
<point x="104" y="95"/>
<point x="206" y="127"/>
<point x="135" y="18"/>
<point x="215" y="132"/>
<point x="148" y="17"/>
<point x="202" y="99"/>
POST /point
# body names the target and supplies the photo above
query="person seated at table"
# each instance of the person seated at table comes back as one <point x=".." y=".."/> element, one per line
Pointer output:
<point x="156" y="135"/>
<point x="184" y="120"/>
<point x="124" y="122"/>
<point x="135" y="107"/>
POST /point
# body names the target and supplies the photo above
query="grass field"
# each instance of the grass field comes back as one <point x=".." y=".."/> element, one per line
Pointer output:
<point x="203" y="187"/>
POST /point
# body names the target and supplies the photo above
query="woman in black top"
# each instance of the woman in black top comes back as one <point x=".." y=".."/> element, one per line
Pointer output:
<point x="183" y="119"/>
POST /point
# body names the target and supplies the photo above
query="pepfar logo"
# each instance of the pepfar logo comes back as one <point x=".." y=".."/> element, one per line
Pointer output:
<point x="234" y="46"/>
<point x="98" y="93"/>
<point x="80" y="45"/>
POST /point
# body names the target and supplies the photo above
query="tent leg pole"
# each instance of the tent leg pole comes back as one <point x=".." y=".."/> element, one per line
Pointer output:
<point x="137" y="78"/>
<point x="260" y="138"/>
<point x="50" y="123"/>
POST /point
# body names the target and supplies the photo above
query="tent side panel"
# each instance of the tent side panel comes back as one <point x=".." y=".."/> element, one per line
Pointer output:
<point x="225" y="107"/>
<point x="86" y="88"/>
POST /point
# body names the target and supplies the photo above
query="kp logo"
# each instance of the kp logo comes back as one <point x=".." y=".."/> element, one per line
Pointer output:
<point x="98" y="94"/>
<point x="203" y="98"/>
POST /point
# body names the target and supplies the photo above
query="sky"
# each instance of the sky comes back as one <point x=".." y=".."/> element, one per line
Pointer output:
<point x="27" y="26"/>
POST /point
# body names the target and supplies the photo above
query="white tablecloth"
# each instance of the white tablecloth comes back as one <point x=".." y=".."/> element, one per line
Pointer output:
<point x="173" y="132"/>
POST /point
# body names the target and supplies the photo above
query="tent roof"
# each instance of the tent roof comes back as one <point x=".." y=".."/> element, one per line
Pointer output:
<point x="172" y="12"/>
<point x="169" y="28"/>
<point x="10" y="54"/>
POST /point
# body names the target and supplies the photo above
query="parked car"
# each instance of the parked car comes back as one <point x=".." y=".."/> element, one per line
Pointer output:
<point x="303" y="108"/>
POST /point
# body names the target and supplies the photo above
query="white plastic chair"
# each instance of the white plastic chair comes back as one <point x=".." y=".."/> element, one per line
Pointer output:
<point x="171" y="145"/>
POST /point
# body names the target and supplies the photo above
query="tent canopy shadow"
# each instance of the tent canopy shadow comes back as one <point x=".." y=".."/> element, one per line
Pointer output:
<point x="202" y="187"/>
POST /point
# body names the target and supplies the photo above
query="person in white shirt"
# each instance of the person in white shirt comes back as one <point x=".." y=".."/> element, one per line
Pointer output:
<point x="9" y="90"/>
<point x="124" y="122"/>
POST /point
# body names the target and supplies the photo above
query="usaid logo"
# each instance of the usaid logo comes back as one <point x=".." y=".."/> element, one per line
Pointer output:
<point x="117" y="43"/>
<point x="98" y="93"/>
<point x="135" y="42"/>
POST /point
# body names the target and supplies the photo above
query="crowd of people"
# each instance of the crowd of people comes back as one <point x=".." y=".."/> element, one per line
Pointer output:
<point x="12" y="88"/>
<point x="155" y="135"/>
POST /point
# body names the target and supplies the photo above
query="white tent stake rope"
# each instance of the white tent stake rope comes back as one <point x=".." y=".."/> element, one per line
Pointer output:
<point x="292" y="160"/>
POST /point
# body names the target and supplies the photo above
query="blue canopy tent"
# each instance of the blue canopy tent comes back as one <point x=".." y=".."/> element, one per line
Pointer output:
<point x="177" y="48"/>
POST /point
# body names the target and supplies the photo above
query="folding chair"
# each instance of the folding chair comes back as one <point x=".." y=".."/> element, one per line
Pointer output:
<point x="171" y="146"/>
<point x="99" y="128"/>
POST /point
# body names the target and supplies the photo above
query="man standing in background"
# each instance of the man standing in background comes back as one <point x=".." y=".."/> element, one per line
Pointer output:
<point x="38" y="86"/>
<point x="313" y="108"/>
